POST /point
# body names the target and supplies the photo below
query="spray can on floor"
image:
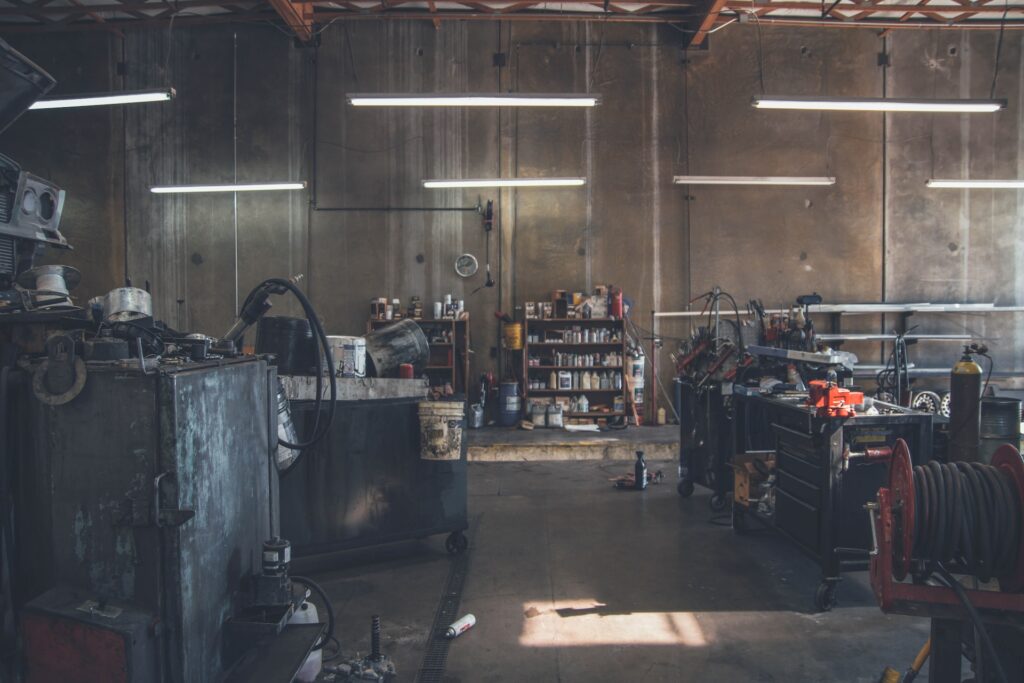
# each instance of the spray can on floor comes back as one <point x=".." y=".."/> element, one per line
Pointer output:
<point x="640" y="471"/>
<point x="461" y="626"/>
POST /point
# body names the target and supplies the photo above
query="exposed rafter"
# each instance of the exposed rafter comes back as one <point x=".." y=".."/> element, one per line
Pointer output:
<point x="696" y="18"/>
<point x="298" y="16"/>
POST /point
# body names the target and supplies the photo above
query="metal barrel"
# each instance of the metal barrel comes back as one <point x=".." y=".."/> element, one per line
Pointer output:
<point x="1000" y="423"/>
<point x="390" y="346"/>
<point x="509" y="404"/>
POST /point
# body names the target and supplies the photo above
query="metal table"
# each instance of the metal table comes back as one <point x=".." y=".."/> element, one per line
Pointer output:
<point x="365" y="484"/>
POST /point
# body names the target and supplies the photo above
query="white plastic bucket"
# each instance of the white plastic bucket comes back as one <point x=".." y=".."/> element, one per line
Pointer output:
<point x="349" y="354"/>
<point x="441" y="427"/>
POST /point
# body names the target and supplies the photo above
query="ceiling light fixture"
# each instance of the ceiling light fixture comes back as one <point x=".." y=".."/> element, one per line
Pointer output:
<point x="472" y="100"/>
<point x="251" y="187"/>
<point x="106" y="99"/>
<point x="505" y="182"/>
<point x="751" y="180"/>
<point x="877" y="104"/>
<point x="950" y="183"/>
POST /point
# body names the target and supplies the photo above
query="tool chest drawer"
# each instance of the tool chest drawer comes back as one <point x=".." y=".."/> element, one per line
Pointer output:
<point x="798" y="519"/>
<point x="801" y="490"/>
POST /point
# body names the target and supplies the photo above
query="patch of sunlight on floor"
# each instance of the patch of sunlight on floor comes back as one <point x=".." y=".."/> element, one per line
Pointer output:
<point x="569" y="623"/>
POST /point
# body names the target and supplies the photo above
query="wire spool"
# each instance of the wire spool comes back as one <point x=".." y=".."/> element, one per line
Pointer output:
<point x="968" y="515"/>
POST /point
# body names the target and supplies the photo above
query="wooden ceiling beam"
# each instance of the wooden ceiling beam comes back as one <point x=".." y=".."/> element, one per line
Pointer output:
<point x="298" y="16"/>
<point x="707" y="23"/>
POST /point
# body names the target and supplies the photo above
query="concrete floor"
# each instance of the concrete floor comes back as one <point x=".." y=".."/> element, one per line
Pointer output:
<point x="571" y="580"/>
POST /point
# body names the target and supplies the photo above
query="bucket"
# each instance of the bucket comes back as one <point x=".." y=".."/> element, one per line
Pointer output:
<point x="388" y="347"/>
<point x="1000" y="423"/>
<point x="441" y="427"/>
<point x="508" y="404"/>
<point x="349" y="354"/>
<point x="513" y="336"/>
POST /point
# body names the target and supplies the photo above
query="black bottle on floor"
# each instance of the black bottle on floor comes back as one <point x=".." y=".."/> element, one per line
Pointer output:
<point x="640" y="471"/>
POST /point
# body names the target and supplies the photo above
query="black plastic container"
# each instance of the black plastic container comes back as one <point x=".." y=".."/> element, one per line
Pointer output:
<point x="291" y="341"/>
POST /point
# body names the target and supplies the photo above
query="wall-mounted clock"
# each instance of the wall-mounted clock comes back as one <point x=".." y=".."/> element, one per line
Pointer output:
<point x="466" y="265"/>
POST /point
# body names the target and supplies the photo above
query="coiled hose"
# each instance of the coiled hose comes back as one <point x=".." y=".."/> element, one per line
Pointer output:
<point x="967" y="513"/>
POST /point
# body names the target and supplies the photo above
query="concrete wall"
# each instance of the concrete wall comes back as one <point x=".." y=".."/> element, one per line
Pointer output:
<point x="253" y="106"/>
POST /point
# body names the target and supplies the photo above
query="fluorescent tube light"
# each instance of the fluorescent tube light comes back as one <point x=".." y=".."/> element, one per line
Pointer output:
<point x="506" y="182"/>
<point x="472" y="100"/>
<point x="950" y="183"/>
<point x="252" y="187"/>
<point x="877" y="104"/>
<point x="751" y="180"/>
<point x="105" y="99"/>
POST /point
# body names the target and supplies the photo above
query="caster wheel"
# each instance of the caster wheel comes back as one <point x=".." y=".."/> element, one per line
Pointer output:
<point x="825" y="596"/>
<point x="718" y="502"/>
<point x="456" y="543"/>
<point x="685" y="488"/>
<point x="739" y="522"/>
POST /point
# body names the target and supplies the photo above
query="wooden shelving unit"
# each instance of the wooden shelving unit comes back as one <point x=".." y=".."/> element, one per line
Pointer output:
<point x="552" y="332"/>
<point x="449" y="361"/>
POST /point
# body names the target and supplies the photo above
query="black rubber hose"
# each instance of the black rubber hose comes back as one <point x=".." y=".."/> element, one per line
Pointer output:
<point x="976" y="620"/>
<point x="315" y="587"/>
<point x="322" y="351"/>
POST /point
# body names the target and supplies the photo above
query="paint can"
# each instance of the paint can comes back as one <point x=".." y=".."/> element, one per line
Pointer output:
<point x="349" y="354"/>
<point x="638" y="390"/>
<point x="508" y="403"/>
<point x="513" y="336"/>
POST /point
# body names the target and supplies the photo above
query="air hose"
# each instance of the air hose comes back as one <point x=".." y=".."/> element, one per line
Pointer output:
<point x="967" y="513"/>
<point x="322" y="350"/>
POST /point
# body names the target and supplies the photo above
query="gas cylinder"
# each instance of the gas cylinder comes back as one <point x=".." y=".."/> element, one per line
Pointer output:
<point x="965" y="409"/>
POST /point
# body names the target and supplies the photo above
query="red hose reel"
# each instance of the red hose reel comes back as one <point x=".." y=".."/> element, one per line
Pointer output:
<point x="893" y="521"/>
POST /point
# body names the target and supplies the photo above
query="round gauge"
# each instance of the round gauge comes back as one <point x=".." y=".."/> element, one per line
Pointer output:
<point x="29" y="202"/>
<point x="466" y="265"/>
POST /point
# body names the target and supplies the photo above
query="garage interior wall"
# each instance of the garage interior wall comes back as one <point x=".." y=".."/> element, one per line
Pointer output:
<point x="254" y="107"/>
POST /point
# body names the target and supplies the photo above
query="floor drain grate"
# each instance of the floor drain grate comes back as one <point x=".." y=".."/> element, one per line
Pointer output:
<point x="436" y="654"/>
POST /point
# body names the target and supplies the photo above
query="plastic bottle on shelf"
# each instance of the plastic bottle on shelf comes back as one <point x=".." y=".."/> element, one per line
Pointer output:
<point x="553" y="380"/>
<point x="585" y="381"/>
